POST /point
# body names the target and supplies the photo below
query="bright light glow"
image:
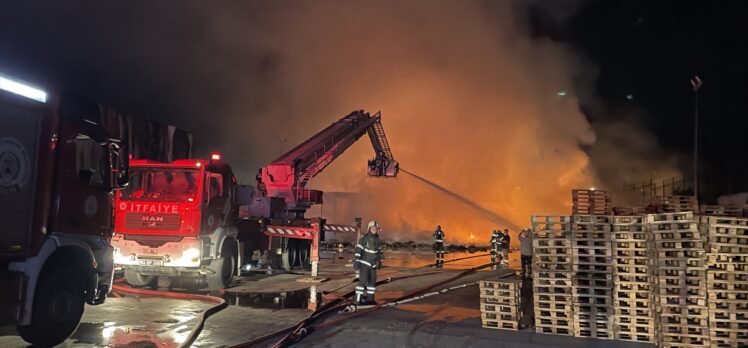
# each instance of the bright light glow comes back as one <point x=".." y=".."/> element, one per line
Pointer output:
<point x="23" y="90"/>
<point x="592" y="188"/>
<point x="215" y="156"/>
<point x="561" y="93"/>
<point x="108" y="331"/>
<point x="191" y="253"/>
<point x="198" y="164"/>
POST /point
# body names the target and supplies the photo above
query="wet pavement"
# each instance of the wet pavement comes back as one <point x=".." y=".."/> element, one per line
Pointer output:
<point x="260" y="304"/>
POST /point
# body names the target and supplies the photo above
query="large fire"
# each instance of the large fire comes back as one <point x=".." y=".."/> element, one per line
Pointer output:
<point x="470" y="100"/>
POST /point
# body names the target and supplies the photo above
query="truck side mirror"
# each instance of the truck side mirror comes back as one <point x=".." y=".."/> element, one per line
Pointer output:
<point x="120" y="165"/>
<point x="244" y="194"/>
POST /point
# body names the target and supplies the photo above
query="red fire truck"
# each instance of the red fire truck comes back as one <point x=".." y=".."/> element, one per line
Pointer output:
<point x="177" y="219"/>
<point x="189" y="218"/>
<point x="58" y="167"/>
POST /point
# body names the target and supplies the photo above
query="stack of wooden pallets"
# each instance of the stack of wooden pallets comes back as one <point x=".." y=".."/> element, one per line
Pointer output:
<point x="633" y="283"/>
<point x="499" y="303"/>
<point x="676" y="204"/>
<point x="681" y="280"/>
<point x="591" y="202"/>
<point x="552" y="275"/>
<point x="592" y="279"/>
<point x="727" y="281"/>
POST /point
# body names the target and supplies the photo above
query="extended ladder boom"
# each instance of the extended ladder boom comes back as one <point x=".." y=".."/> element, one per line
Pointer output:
<point x="288" y="175"/>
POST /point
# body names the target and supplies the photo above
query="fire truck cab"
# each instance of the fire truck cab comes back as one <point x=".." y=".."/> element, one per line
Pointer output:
<point x="179" y="220"/>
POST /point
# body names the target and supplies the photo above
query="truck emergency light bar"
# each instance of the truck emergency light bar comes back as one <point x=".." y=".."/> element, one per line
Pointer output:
<point x="23" y="90"/>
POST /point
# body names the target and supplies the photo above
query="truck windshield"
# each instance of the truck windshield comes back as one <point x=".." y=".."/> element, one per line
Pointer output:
<point x="162" y="184"/>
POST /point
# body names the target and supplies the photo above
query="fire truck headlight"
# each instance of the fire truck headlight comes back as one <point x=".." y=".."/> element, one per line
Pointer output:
<point x="191" y="254"/>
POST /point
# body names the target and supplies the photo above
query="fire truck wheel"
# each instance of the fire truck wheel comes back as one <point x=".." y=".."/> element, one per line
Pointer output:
<point x="138" y="280"/>
<point x="222" y="271"/>
<point x="303" y="249"/>
<point x="292" y="252"/>
<point x="58" y="307"/>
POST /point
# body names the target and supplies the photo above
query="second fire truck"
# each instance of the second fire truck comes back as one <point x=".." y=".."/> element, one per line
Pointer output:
<point x="190" y="218"/>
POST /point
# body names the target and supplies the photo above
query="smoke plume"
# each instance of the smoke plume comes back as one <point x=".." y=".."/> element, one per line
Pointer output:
<point x="471" y="99"/>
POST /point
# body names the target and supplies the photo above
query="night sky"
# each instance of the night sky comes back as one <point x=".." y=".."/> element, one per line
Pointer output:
<point x="644" y="53"/>
<point x="651" y="49"/>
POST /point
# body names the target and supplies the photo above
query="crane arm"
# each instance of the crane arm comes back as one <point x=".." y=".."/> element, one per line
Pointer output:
<point x="288" y="175"/>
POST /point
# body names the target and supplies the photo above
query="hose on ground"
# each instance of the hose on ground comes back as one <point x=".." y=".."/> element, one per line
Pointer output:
<point x="334" y="306"/>
<point x="220" y="304"/>
<point x="295" y="335"/>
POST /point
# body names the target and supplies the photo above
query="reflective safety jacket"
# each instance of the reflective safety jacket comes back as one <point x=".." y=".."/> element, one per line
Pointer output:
<point x="495" y="239"/>
<point x="368" y="251"/>
<point x="439" y="236"/>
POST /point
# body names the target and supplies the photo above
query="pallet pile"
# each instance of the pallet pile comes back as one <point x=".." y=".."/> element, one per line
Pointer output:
<point x="592" y="280"/>
<point x="681" y="280"/>
<point x="676" y="204"/>
<point x="727" y="281"/>
<point x="721" y="210"/>
<point x="633" y="282"/>
<point x="552" y="275"/>
<point x="591" y="202"/>
<point x="499" y="303"/>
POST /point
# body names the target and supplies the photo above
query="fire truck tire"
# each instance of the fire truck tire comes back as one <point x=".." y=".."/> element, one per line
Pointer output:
<point x="281" y="261"/>
<point x="303" y="250"/>
<point x="293" y="253"/>
<point x="58" y="307"/>
<point x="221" y="271"/>
<point x="139" y="280"/>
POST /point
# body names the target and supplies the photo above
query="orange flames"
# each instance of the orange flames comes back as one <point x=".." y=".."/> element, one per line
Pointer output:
<point x="469" y="100"/>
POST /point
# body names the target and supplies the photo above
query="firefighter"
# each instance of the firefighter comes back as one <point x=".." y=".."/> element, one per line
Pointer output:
<point x="495" y="238"/>
<point x="439" y="245"/>
<point x="525" y="244"/>
<point x="505" y="247"/>
<point x="367" y="257"/>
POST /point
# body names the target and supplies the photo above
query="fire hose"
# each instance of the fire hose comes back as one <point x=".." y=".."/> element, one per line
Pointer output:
<point x="337" y="304"/>
<point x="220" y="304"/>
<point x="302" y="330"/>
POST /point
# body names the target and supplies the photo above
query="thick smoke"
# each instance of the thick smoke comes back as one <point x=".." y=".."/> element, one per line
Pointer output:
<point x="470" y="100"/>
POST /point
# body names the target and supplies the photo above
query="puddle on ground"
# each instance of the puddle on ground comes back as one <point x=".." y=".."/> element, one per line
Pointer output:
<point x="278" y="300"/>
<point x="111" y="335"/>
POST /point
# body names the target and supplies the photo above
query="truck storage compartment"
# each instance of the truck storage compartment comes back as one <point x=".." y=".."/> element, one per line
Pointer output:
<point x="19" y="131"/>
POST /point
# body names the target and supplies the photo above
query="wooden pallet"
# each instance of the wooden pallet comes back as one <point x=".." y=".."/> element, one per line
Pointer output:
<point x="565" y="313"/>
<point x="604" y="334"/>
<point x="647" y="312"/>
<point x="551" y="243"/>
<point x="721" y="210"/>
<point x="554" y="329"/>
<point x="632" y="252"/>
<point x="683" y="341"/>
<point x="629" y="211"/>
<point x="550" y="219"/>
<point x="591" y="202"/>
<point x="500" y="324"/>
<point x="635" y="337"/>
<point x="622" y="235"/>
<point x="591" y="220"/>
<point x="669" y="217"/>
<point x="674" y="204"/>
<point x="713" y="259"/>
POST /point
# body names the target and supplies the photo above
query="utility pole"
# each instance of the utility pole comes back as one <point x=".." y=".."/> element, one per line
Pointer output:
<point x="696" y="84"/>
